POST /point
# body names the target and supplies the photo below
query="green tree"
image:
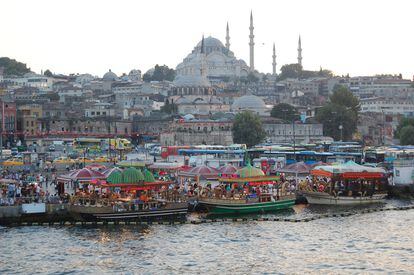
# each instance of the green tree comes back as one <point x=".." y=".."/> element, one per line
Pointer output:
<point x="285" y="111"/>
<point x="342" y="96"/>
<point x="169" y="108"/>
<point x="252" y="78"/>
<point x="48" y="73"/>
<point x="13" y="67"/>
<point x="160" y="73"/>
<point x="332" y="116"/>
<point x="247" y="129"/>
<point x="407" y="135"/>
<point x="341" y="111"/>
<point x="290" y="71"/>
<point x="405" y="121"/>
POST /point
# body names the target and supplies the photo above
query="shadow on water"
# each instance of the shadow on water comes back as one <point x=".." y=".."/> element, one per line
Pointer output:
<point x="281" y="213"/>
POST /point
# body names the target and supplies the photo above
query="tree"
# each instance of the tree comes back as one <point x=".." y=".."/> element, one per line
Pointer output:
<point x="252" y="78"/>
<point x="290" y="71"/>
<point x="48" y="73"/>
<point x="169" y="108"/>
<point x="341" y="111"/>
<point x="342" y="96"/>
<point x="332" y="116"/>
<point x="407" y="135"/>
<point x="405" y="121"/>
<point x="247" y="129"/>
<point x="159" y="73"/>
<point x="285" y="111"/>
<point x="13" y="67"/>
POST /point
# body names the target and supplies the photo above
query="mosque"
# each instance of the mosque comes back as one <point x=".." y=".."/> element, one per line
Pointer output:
<point x="212" y="62"/>
<point x="219" y="61"/>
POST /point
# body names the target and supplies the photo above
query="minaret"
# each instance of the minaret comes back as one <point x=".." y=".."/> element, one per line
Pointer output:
<point x="274" y="60"/>
<point x="202" y="51"/>
<point x="251" y="43"/>
<point x="299" y="52"/>
<point x="227" y="37"/>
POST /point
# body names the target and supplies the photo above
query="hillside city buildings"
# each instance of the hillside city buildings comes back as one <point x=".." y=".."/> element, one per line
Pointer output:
<point x="211" y="86"/>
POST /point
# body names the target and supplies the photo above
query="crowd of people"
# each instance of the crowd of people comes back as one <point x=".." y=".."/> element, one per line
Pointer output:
<point x="22" y="186"/>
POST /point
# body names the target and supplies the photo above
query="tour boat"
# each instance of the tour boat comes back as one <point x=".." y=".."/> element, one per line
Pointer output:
<point x="261" y="204"/>
<point x="130" y="195"/>
<point x="131" y="210"/>
<point x="349" y="184"/>
<point x="247" y="203"/>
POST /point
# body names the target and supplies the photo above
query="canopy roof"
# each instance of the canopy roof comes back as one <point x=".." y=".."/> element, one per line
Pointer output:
<point x="298" y="167"/>
<point x="228" y="169"/>
<point x="84" y="174"/>
<point x="132" y="175"/>
<point x="349" y="169"/>
<point x="249" y="171"/>
<point x="202" y="171"/>
<point x="109" y="171"/>
<point x="115" y="178"/>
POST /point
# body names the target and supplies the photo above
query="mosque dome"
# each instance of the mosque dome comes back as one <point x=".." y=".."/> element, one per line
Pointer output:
<point x="211" y="42"/>
<point x="110" y="76"/>
<point x="249" y="102"/>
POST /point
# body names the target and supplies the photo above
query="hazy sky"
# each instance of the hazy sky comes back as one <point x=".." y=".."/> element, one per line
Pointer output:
<point x="77" y="36"/>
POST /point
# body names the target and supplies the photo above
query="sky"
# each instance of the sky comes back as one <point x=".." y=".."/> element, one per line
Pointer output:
<point x="356" y="37"/>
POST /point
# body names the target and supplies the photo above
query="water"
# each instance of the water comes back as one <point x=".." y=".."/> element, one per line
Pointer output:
<point x="364" y="243"/>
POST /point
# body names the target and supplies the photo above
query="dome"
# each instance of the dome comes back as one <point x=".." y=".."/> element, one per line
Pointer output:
<point x="228" y="169"/>
<point x="203" y="170"/>
<point x="115" y="178"/>
<point x="85" y="174"/>
<point x="132" y="175"/>
<point x="148" y="176"/>
<point x="250" y="171"/>
<point x="211" y="42"/>
<point x="110" y="76"/>
<point x="248" y="102"/>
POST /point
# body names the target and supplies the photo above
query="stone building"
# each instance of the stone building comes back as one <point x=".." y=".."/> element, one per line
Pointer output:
<point x="278" y="132"/>
<point x="195" y="132"/>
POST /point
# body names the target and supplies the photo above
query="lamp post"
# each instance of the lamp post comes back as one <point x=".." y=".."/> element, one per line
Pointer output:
<point x="341" y="127"/>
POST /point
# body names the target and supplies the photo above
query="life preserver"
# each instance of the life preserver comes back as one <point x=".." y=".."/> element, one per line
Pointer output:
<point x="321" y="188"/>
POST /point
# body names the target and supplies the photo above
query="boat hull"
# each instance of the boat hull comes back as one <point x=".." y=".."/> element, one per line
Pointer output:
<point x="222" y="207"/>
<point x="327" y="199"/>
<point x="107" y="213"/>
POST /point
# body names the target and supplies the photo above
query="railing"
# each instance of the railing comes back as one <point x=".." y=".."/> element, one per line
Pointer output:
<point x="9" y="201"/>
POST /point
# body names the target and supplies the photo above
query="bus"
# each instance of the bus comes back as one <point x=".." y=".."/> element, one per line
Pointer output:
<point x="167" y="151"/>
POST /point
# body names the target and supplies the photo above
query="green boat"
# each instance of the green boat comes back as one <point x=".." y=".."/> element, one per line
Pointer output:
<point x="265" y="203"/>
<point x="249" y="177"/>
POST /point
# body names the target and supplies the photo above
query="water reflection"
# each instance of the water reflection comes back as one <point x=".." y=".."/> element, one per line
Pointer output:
<point x="370" y="243"/>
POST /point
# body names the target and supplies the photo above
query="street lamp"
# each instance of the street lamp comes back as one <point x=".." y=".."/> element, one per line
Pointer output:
<point x="341" y="127"/>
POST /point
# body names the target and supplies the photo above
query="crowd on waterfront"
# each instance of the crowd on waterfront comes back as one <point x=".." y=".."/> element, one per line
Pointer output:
<point x="23" y="186"/>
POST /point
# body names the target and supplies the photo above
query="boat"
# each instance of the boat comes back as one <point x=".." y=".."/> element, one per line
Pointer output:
<point x="245" y="197"/>
<point x="127" y="195"/>
<point x="346" y="184"/>
<point x="89" y="209"/>
<point x="261" y="204"/>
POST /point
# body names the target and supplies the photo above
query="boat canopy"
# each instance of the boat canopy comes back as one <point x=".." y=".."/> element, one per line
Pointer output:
<point x="349" y="170"/>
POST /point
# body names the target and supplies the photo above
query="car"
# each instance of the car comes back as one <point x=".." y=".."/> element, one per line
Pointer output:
<point x="63" y="160"/>
<point x="52" y="148"/>
<point x="102" y="159"/>
<point x="13" y="162"/>
<point x="14" y="151"/>
<point x="84" y="160"/>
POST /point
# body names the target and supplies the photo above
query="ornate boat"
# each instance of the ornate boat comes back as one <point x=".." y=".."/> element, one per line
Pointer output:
<point x="348" y="184"/>
<point x="82" y="209"/>
<point x="262" y="204"/>
<point x="249" y="200"/>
